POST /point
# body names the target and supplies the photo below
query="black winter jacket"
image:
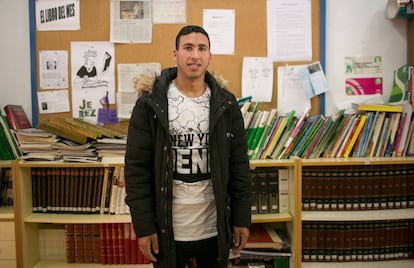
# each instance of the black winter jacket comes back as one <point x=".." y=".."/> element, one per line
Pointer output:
<point x="148" y="166"/>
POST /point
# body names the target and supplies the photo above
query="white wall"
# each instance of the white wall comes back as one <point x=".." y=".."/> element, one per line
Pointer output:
<point x="361" y="28"/>
<point x="15" y="55"/>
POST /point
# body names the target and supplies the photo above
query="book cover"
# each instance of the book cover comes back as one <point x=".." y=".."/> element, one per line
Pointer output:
<point x="273" y="190"/>
<point x="255" y="192"/>
<point x="263" y="191"/>
<point x="16" y="116"/>
<point x="6" y="152"/>
<point x="339" y="136"/>
<point x="295" y="131"/>
<point x="78" y="238"/>
<point x="264" y="116"/>
<point x="282" y="128"/>
<point x="407" y="112"/>
<point x="274" y="136"/>
<point x="378" y="107"/>
<point x="400" y="89"/>
<point x="347" y="138"/>
<point x="10" y="137"/>
<point x="318" y="122"/>
<point x="355" y="135"/>
<point x="103" y="243"/>
<point x="70" y="243"/>
<point x="134" y="245"/>
<point x="316" y="143"/>
<point x="283" y="176"/>
<point x="87" y="243"/>
<point x="127" y="242"/>
<point x="115" y="243"/>
<point x="109" y="243"/>
<point x="409" y="144"/>
<point x="263" y="236"/>
<point x="121" y="242"/>
<point x="389" y="147"/>
<point x="265" y="135"/>
<point x="96" y="243"/>
<point x="376" y="134"/>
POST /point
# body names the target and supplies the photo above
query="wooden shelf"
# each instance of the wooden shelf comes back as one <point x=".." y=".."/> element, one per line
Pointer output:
<point x="63" y="264"/>
<point x="76" y="218"/>
<point x="6" y="213"/>
<point x="360" y="215"/>
<point x="267" y="218"/>
<point x="368" y="264"/>
<point x="357" y="161"/>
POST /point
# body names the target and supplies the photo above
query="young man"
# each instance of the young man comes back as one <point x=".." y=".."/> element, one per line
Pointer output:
<point x="186" y="167"/>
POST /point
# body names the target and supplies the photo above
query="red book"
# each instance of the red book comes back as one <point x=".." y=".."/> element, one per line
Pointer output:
<point x="78" y="234"/>
<point x="121" y="243"/>
<point x="264" y="236"/>
<point x="96" y="243"/>
<point x="69" y="243"/>
<point x="115" y="243"/>
<point x="87" y="243"/>
<point x="16" y="116"/>
<point x="103" y="245"/>
<point x="127" y="242"/>
<point x="134" y="246"/>
<point x="109" y="244"/>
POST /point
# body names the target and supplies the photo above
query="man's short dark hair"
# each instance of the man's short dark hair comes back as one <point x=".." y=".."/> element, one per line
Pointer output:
<point x="190" y="29"/>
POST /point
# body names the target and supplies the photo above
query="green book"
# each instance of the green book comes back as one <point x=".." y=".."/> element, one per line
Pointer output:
<point x="5" y="149"/>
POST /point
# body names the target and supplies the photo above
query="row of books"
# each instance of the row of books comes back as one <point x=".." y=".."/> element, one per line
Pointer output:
<point x="90" y="190"/>
<point x="358" y="187"/>
<point x="109" y="243"/>
<point x="373" y="130"/>
<point x="270" y="190"/>
<point x="357" y="241"/>
<point x="6" y="187"/>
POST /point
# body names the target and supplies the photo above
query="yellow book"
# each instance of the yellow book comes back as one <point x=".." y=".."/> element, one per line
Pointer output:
<point x="355" y="136"/>
<point x="275" y="137"/>
<point x="377" y="107"/>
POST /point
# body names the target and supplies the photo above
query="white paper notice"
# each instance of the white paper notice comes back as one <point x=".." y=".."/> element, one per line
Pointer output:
<point x="56" y="101"/>
<point x="257" y="79"/>
<point x="128" y="81"/>
<point x="57" y="15"/>
<point x="93" y="78"/>
<point x="289" y="30"/>
<point x="53" y="69"/>
<point x="219" y="24"/>
<point x="291" y="89"/>
<point x="169" y="11"/>
<point x="130" y="21"/>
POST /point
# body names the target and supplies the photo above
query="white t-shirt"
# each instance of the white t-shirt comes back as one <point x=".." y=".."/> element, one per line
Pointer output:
<point x="194" y="209"/>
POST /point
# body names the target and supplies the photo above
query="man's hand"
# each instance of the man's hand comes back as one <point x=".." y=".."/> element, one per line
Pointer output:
<point x="240" y="236"/>
<point x="147" y="245"/>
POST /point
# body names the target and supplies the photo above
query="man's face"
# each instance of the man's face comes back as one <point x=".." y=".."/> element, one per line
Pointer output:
<point x="193" y="55"/>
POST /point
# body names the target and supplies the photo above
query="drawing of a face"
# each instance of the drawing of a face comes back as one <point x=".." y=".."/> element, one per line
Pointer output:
<point x="90" y="61"/>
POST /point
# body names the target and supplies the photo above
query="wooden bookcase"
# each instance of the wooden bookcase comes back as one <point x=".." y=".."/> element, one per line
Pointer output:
<point x="29" y="223"/>
<point x="359" y="215"/>
<point x="8" y="227"/>
<point x="292" y="218"/>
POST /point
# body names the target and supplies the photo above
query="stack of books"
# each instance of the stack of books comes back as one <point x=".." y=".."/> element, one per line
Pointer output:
<point x="267" y="244"/>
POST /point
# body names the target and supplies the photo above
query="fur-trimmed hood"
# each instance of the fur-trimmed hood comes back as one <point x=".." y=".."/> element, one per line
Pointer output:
<point x="144" y="83"/>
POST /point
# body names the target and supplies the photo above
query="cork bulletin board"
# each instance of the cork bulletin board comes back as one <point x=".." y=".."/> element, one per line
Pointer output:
<point x="250" y="41"/>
